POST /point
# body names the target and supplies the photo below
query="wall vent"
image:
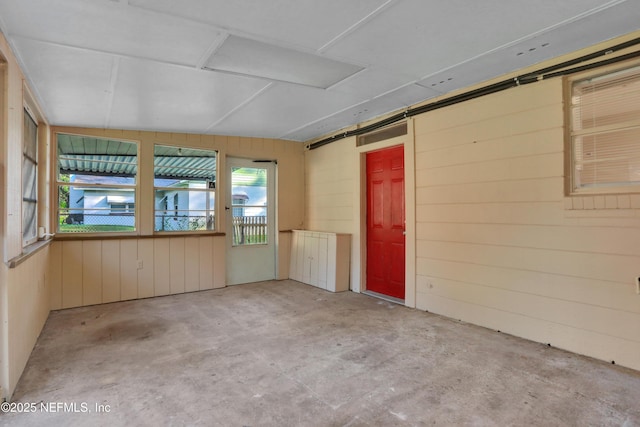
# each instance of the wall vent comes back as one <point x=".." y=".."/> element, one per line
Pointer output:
<point x="387" y="132"/>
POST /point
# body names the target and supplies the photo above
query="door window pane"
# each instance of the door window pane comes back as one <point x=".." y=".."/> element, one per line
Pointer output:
<point x="249" y="205"/>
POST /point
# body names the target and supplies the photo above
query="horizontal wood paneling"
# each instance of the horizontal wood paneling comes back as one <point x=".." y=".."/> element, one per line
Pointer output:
<point x="499" y="245"/>
<point x="595" y="292"/>
<point x="330" y="179"/>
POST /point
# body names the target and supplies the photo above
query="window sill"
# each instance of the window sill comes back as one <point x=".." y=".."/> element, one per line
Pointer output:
<point x="27" y="252"/>
<point x="78" y="236"/>
<point x="601" y="201"/>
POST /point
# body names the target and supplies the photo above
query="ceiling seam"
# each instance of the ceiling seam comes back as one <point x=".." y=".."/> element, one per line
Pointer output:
<point x="115" y="69"/>
<point x="104" y="52"/>
<point x="526" y="37"/>
<point x="357" y="25"/>
<point x="212" y="49"/>
<point x="438" y="93"/>
<point x="239" y="106"/>
<point x="239" y="33"/>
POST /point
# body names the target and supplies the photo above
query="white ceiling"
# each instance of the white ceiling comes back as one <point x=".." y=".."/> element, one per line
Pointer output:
<point x="187" y="66"/>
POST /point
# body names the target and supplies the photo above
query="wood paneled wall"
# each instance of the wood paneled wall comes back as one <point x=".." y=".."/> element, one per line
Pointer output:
<point x="87" y="272"/>
<point x="25" y="298"/>
<point x="497" y="243"/>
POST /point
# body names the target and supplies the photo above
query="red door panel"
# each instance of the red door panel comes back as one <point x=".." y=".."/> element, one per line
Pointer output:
<point x="386" y="222"/>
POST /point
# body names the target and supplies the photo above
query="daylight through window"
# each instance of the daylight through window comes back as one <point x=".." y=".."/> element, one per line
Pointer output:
<point x="185" y="182"/>
<point x="29" y="180"/>
<point x="96" y="182"/>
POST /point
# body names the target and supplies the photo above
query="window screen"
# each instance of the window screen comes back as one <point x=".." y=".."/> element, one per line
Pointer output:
<point x="96" y="182"/>
<point x="29" y="180"/>
<point x="185" y="182"/>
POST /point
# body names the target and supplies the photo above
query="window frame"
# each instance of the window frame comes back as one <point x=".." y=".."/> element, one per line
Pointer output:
<point x="28" y="115"/>
<point x="570" y="176"/>
<point x="172" y="209"/>
<point x="57" y="184"/>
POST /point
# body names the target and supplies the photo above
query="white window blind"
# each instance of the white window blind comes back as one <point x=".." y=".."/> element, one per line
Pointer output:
<point x="605" y="131"/>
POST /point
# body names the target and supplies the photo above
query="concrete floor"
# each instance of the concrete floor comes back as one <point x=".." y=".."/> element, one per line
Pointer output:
<point x="287" y="354"/>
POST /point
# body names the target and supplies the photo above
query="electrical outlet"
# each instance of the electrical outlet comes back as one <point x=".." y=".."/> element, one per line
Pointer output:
<point x="140" y="264"/>
<point x="638" y="285"/>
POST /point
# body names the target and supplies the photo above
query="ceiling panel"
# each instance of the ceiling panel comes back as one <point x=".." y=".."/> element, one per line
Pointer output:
<point x="109" y="26"/>
<point x="592" y="29"/>
<point x="398" y="99"/>
<point x="174" y="98"/>
<point x="244" y="56"/>
<point x="308" y="23"/>
<point x="74" y="84"/>
<point x="372" y="82"/>
<point x="282" y="108"/>
<point x="421" y="37"/>
<point x="136" y="64"/>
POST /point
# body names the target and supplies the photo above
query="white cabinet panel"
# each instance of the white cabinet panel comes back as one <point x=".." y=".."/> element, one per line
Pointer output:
<point x="321" y="259"/>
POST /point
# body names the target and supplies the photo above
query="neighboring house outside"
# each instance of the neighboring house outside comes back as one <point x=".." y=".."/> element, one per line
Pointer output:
<point x="98" y="206"/>
<point x="174" y="209"/>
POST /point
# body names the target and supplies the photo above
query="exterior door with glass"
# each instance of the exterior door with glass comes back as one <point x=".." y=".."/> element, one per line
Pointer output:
<point x="250" y="217"/>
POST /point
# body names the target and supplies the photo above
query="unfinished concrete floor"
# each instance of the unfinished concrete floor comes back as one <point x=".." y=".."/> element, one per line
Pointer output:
<point x="287" y="354"/>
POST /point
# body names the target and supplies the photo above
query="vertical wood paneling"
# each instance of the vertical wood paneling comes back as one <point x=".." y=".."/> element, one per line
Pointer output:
<point x="128" y="269"/>
<point x="71" y="274"/>
<point x="206" y="262"/>
<point x="191" y="264"/>
<point x="110" y="271"/>
<point x="91" y="272"/>
<point x="219" y="262"/>
<point x="176" y="265"/>
<point x="161" y="267"/>
<point x="145" y="274"/>
<point x="55" y="275"/>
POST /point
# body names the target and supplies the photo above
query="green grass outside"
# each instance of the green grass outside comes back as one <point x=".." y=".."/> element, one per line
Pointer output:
<point x="81" y="228"/>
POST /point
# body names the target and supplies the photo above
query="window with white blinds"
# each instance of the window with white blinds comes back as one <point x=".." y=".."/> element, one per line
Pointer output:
<point x="605" y="131"/>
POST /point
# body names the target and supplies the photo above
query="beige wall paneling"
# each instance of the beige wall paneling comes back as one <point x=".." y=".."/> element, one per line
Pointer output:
<point x="71" y="274"/>
<point x="4" y="271"/>
<point x="25" y="295"/>
<point x="13" y="159"/>
<point x="28" y="300"/>
<point x="4" y="332"/>
<point x="219" y="262"/>
<point x="55" y="275"/>
<point x="206" y="262"/>
<point x="177" y="265"/>
<point x="496" y="245"/>
<point x="290" y="184"/>
<point x="111" y="271"/>
<point x="128" y="269"/>
<point x="91" y="272"/>
<point x="145" y="274"/>
<point x="161" y="267"/>
<point x="192" y="264"/>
